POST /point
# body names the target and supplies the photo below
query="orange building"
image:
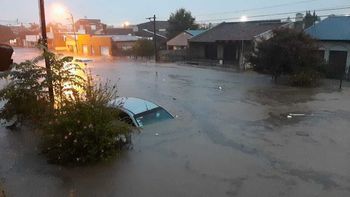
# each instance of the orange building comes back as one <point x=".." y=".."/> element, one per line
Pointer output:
<point x="90" y="45"/>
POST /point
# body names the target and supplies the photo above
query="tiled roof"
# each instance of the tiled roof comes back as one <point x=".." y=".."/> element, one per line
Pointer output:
<point x="335" y="28"/>
<point x="119" y="31"/>
<point x="237" y="31"/>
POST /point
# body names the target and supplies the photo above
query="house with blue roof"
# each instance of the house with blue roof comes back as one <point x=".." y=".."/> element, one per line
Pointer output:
<point x="180" y="41"/>
<point x="333" y="36"/>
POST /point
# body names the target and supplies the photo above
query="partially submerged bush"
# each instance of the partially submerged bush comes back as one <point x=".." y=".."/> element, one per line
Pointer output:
<point x="84" y="132"/>
<point x="306" y="78"/>
<point x="85" y="129"/>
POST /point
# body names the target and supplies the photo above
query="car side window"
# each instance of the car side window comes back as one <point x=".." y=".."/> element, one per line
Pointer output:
<point x="124" y="117"/>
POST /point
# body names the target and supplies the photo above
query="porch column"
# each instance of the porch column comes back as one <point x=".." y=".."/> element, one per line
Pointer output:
<point x="326" y="55"/>
<point x="241" y="57"/>
<point x="220" y="50"/>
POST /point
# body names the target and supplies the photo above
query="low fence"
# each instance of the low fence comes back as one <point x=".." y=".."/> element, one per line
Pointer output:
<point x="173" y="55"/>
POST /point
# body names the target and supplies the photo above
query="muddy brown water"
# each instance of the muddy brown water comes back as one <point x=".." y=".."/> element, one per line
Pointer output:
<point x="230" y="141"/>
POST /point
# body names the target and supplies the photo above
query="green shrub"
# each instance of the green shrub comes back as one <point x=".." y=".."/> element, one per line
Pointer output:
<point x="82" y="132"/>
<point x="85" y="130"/>
<point x="143" y="48"/>
<point x="305" y="78"/>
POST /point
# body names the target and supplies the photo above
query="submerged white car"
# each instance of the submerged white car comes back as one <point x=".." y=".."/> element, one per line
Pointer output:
<point x="139" y="112"/>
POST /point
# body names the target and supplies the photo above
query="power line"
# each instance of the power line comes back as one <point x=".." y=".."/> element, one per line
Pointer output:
<point x="259" y="8"/>
<point x="276" y="14"/>
<point x="290" y="18"/>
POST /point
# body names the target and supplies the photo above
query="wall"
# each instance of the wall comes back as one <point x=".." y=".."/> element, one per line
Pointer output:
<point x="101" y="41"/>
<point x="197" y="50"/>
<point x="122" y="48"/>
<point x="328" y="46"/>
<point x="94" y="44"/>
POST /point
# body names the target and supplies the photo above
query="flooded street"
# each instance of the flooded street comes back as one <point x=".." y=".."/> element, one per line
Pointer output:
<point x="235" y="134"/>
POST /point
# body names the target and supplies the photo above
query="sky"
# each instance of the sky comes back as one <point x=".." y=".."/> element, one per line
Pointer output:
<point x="116" y="12"/>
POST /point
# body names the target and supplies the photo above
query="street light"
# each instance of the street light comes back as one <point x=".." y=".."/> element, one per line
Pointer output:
<point x="59" y="11"/>
<point x="126" y="24"/>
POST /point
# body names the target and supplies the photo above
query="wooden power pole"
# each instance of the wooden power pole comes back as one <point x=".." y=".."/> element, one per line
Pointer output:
<point x="154" y="37"/>
<point x="44" y="42"/>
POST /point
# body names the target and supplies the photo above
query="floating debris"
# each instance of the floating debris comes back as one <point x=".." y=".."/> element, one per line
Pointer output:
<point x="220" y="88"/>
<point x="302" y="133"/>
<point x="297" y="114"/>
<point x="291" y="115"/>
<point x="157" y="134"/>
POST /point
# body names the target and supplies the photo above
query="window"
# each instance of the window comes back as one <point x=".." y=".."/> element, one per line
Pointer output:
<point x="124" y="117"/>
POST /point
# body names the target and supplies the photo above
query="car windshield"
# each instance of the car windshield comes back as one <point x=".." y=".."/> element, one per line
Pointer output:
<point x="150" y="117"/>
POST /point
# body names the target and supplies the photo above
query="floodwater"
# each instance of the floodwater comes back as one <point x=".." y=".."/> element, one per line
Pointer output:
<point x="232" y="137"/>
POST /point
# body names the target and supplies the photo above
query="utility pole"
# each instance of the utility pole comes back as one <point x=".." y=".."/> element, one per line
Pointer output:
<point x="75" y="34"/>
<point x="154" y="37"/>
<point x="44" y="42"/>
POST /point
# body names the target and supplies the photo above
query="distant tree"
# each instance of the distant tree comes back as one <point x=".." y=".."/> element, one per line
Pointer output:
<point x="288" y="52"/>
<point x="143" y="48"/>
<point x="180" y="21"/>
<point x="310" y="19"/>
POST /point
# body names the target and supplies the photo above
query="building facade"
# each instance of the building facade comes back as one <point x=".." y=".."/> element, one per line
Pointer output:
<point x="333" y="36"/>
<point x="180" y="42"/>
<point x="229" y="43"/>
<point x="90" y="26"/>
<point x="90" y="45"/>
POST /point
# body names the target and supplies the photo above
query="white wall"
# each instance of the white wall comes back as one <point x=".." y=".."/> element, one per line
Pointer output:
<point x="328" y="46"/>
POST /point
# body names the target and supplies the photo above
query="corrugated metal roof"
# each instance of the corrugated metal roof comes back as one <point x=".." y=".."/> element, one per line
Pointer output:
<point x="124" y="38"/>
<point x="331" y="28"/>
<point x="237" y="31"/>
<point x="195" y="32"/>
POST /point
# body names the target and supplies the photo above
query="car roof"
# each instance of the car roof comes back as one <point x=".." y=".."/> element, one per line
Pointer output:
<point x="134" y="105"/>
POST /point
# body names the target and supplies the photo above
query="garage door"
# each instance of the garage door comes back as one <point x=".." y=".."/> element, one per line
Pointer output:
<point x="337" y="61"/>
<point x="85" y="50"/>
<point x="105" y="51"/>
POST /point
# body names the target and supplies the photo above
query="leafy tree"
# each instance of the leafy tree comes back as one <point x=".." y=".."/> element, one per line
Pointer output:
<point x="143" y="48"/>
<point x="288" y="52"/>
<point x="310" y="19"/>
<point x="180" y="21"/>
